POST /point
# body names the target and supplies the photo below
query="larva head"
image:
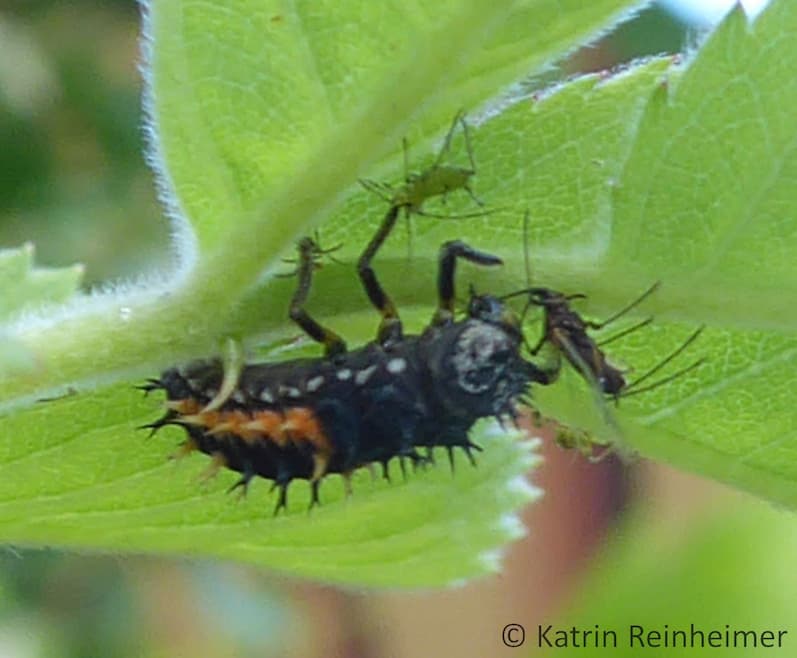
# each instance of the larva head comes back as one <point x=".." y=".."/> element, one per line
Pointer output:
<point x="477" y="364"/>
<point x="197" y="380"/>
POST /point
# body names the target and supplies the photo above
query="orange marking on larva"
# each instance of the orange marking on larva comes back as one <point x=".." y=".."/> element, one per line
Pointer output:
<point x="184" y="449"/>
<point x="303" y="425"/>
<point x="208" y="419"/>
<point x="229" y="422"/>
<point x="268" y="425"/>
<point x="218" y="462"/>
<point x="185" y="407"/>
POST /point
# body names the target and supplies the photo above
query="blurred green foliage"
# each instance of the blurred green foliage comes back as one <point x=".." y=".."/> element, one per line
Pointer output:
<point x="72" y="176"/>
<point x="727" y="565"/>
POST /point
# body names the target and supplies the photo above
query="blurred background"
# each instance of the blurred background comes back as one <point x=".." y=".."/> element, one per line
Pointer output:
<point x="610" y="544"/>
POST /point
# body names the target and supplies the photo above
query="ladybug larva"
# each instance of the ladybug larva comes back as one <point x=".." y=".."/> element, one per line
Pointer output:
<point x="307" y="418"/>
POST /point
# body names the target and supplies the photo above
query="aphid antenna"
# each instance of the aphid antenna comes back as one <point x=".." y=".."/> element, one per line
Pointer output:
<point x="622" y="311"/>
<point x="633" y="387"/>
<point x="468" y="215"/>
<point x="459" y="118"/>
<point x="667" y="379"/>
<point x="382" y="189"/>
<point x="626" y="331"/>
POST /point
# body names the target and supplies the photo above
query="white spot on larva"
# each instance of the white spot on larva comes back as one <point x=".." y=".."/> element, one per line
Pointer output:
<point x="315" y="383"/>
<point x="238" y="397"/>
<point x="211" y="392"/>
<point x="364" y="375"/>
<point x="289" y="391"/>
<point x="396" y="366"/>
<point x="344" y="374"/>
<point x="266" y="396"/>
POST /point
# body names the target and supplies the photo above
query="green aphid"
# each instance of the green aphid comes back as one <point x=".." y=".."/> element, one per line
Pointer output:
<point x="437" y="180"/>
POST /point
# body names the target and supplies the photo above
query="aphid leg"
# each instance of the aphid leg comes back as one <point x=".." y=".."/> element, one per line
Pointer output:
<point x="625" y="332"/>
<point x="334" y="345"/>
<point x="405" y="149"/>
<point x="382" y="190"/>
<point x="633" y="387"/>
<point x="449" y="253"/>
<point x="408" y="178"/>
<point x="469" y="149"/>
<point x="459" y="118"/>
<point x="622" y="311"/>
<point x="390" y="329"/>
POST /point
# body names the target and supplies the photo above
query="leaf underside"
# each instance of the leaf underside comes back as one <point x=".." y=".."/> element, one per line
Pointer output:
<point x="679" y="173"/>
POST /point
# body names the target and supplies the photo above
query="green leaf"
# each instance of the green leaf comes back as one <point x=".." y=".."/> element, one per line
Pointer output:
<point x="264" y="119"/>
<point x="24" y="287"/>
<point x="292" y="105"/>
<point x="707" y="204"/>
